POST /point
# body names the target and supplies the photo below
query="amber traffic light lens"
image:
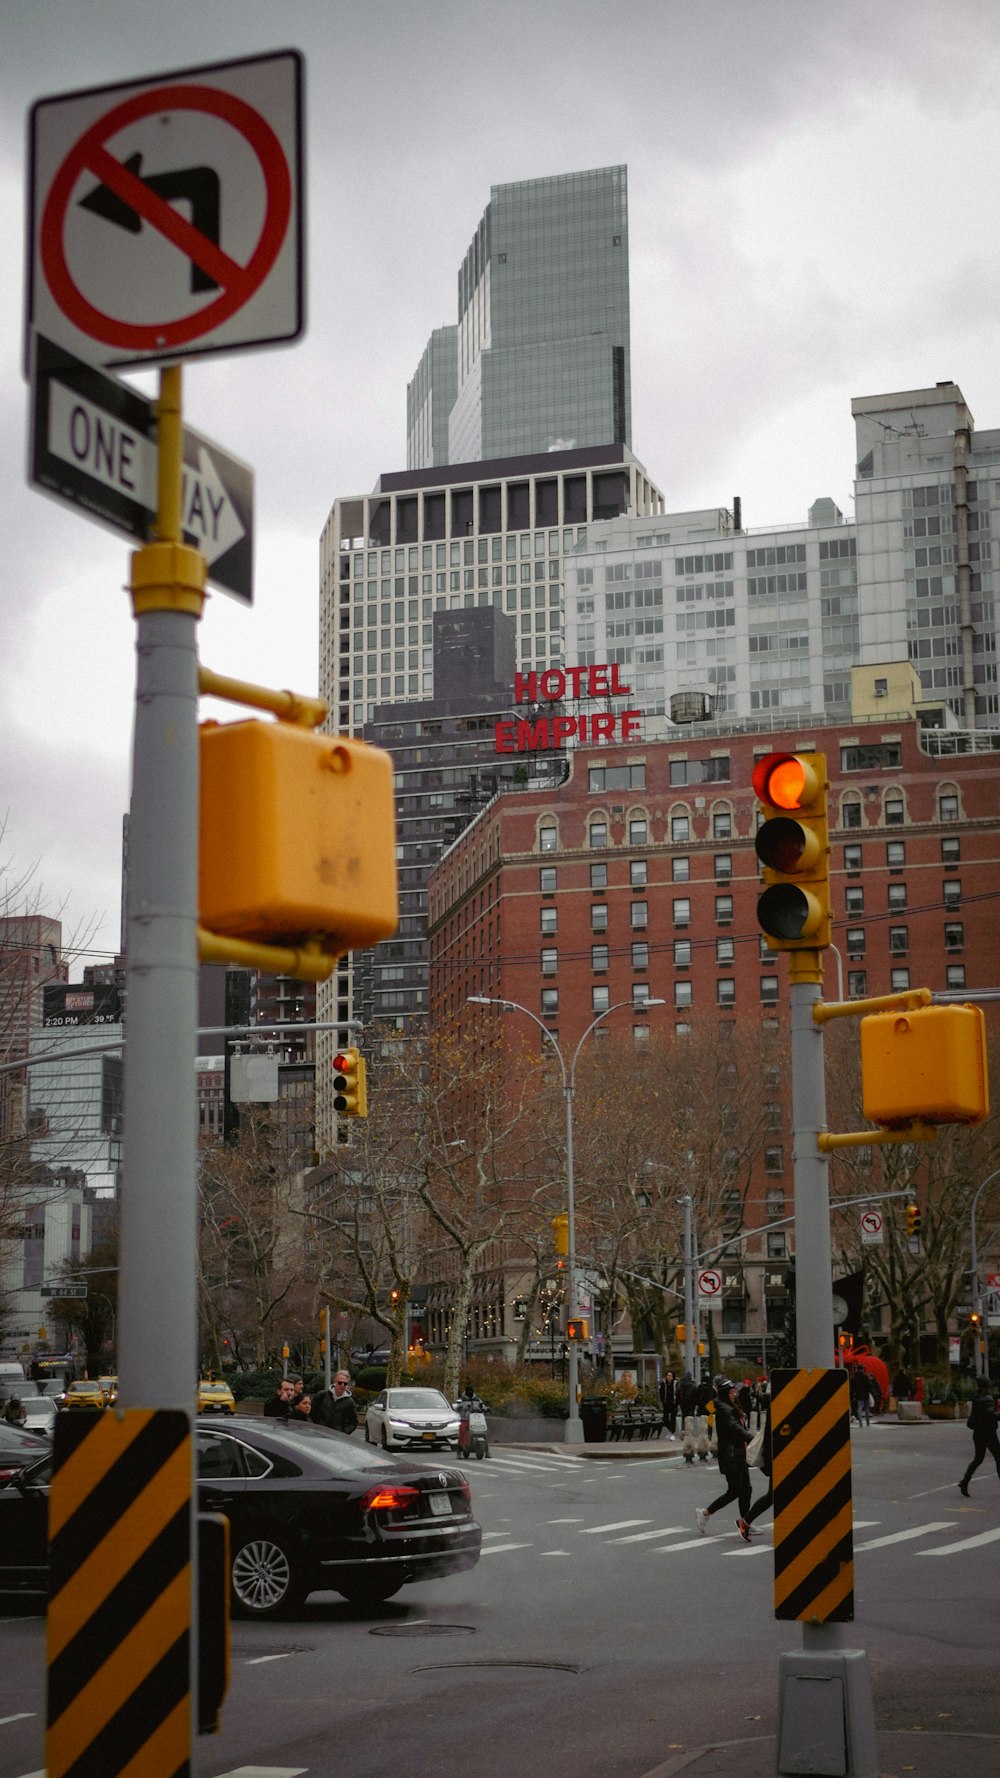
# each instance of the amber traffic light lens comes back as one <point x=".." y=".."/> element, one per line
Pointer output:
<point x="786" y="784"/>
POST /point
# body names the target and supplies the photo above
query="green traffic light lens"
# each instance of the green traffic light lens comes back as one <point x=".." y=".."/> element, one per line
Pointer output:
<point x="786" y="911"/>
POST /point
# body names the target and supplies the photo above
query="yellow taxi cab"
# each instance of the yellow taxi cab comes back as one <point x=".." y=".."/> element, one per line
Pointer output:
<point x="214" y="1398"/>
<point x="86" y="1393"/>
<point x="109" y="1389"/>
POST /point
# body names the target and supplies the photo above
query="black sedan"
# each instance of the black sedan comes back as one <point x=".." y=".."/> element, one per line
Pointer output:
<point x="309" y="1511"/>
<point x="18" y="1448"/>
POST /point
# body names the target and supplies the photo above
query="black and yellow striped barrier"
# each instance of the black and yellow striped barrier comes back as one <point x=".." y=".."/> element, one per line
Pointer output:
<point x="119" y="1613"/>
<point x="813" y="1517"/>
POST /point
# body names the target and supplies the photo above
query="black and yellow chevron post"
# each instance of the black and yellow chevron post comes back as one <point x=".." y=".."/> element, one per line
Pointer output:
<point x="119" y="1611"/>
<point x="813" y="1515"/>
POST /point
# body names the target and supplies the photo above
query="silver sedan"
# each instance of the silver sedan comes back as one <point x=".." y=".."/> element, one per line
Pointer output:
<point x="408" y="1419"/>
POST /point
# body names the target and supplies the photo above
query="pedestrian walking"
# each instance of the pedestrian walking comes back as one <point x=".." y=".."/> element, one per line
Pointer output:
<point x="732" y="1435"/>
<point x="761" y="1399"/>
<point x="668" y="1403"/>
<point x="687" y="1401"/>
<point x="334" y="1407"/>
<point x="982" y="1424"/>
<point x="861" y="1395"/>
<point x="763" y="1501"/>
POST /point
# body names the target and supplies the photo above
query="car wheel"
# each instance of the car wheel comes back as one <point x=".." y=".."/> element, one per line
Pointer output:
<point x="264" y="1579"/>
<point x="369" y="1589"/>
<point x="385" y="1441"/>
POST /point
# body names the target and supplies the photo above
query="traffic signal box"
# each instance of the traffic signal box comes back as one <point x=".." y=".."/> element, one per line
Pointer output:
<point x="913" y="1221"/>
<point x="560" y="1233"/>
<point x="297" y="836"/>
<point x="577" y="1330"/>
<point x="793" y="847"/>
<point x="350" y="1091"/>
<point x="927" y="1064"/>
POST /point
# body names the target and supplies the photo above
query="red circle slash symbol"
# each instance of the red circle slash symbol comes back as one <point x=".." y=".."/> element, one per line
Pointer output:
<point x="237" y="283"/>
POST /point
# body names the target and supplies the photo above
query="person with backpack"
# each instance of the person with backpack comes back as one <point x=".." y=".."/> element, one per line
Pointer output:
<point x="733" y="1436"/>
<point x="982" y="1424"/>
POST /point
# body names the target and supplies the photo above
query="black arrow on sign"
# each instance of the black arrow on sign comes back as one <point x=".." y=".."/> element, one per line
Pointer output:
<point x="198" y="186"/>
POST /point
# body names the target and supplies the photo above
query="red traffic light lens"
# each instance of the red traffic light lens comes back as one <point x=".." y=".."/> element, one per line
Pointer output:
<point x="786" y="781"/>
<point x="340" y="1063"/>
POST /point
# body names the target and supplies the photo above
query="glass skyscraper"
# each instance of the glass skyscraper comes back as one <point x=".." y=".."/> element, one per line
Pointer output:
<point x="539" y="358"/>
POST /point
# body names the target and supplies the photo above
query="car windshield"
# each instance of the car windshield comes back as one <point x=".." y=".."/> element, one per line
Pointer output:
<point x="334" y="1450"/>
<point x="419" y="1398"/>
<point x="214" y="1388"/>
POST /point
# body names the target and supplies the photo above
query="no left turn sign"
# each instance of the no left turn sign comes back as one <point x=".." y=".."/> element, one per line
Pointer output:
<point x="709" y="1286"/>
<point x="165" y="215"/>
<point x="871" y="1228"/>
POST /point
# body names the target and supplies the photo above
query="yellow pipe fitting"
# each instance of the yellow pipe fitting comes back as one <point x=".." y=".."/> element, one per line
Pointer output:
<point x="167" y="577"/>
<point x="308" y="963"/>
<point x="908" y="1001"/>
<point x="915" y="1132"/>
<point x="287" y="706"/>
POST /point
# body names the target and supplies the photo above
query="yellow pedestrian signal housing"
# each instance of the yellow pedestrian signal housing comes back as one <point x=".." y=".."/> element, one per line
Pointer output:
<point x="793" y="847"/>
<point x="927" y="1064"/>
<point x="913" y="1221"/>
<point x="297" y="837"/>
<point x="577" y="1330"/>
<point x="350" y="1092"/>
<point x="560" y="1232"/>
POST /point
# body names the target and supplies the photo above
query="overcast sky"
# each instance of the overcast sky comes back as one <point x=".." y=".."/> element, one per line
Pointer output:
<point x="812" y="215"/>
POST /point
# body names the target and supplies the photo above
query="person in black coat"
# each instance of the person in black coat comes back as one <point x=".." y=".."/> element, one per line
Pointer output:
<point x="982" y="1423"/>
<point x="334" y="1407"/>
<point x="732" y="1435"/>
<point x="668" y="1402"/>
<point x="280" y="1406"/>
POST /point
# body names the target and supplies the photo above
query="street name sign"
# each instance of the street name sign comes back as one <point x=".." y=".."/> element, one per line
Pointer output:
<point x="165" y="214"/>
<point x="710" y="1288"/>
<point x="55" y="1287"/>
<point x="93" y="446"/>
<point x="871" y="1228"/>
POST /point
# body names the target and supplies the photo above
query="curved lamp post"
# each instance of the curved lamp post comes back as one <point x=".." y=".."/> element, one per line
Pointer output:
<point x="574" y="1431"/>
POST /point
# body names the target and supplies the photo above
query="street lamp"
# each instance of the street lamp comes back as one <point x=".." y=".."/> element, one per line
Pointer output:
<point x="574" y="1432"/>
<point x="982" y="1334"/>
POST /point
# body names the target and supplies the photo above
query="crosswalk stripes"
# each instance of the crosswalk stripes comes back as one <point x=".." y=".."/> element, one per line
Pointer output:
<point x="965" y="1543"/>
<point x="881" y="1543"/>
<point x="617" y="1533"/>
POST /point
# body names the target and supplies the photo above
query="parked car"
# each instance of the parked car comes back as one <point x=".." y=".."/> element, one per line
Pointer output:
<point x="109" y="1389"/>
<point x="308" y="1509"/>
<point x="403" y="1418"/>
<point x="39" y="1413"/>
<point x="18" y="1449"/>
<point x="215" y="1398"/>
<point x="84" y="1394"/>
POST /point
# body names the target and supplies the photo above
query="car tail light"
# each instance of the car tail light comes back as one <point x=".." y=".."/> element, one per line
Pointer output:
<point x="8" y="1474"/>
<point x="389" y="1499"/>
<point x="467" y="1491"/>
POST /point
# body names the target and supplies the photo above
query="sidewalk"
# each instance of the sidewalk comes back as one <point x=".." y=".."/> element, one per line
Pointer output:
<point x="923" y="1754"/>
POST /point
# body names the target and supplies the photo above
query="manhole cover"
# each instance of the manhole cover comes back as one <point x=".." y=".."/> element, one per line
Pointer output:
<point x="544" y="1666"/>
<point x="422" y="1628"/>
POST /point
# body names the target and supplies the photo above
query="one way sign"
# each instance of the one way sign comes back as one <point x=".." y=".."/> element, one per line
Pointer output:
<point x="93" y="445"/>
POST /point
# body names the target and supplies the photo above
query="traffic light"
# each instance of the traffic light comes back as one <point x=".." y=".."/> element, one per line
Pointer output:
<point x="394" y="1297"/>
<point x="913" y="1221"/>
<point x="350" y="1095"/>
<point x="577" y="1330"/>
<point x="560" y="1233"/>
<point x="792" y="844"/>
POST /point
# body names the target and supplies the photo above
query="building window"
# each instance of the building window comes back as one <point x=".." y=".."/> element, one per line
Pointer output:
<point x="955" y="975"/>
<point x="640" y="993"/>
<point x="769" y="990"/>
<point x="894" y="811"/>
<point x="682" y="953"/>
<point x="547" y="879"/>
<point x="640" y="913"/>
<point x="774" y="1159"/>
<point x="725" y="991"/>
<point x="640" y="1033"/>
<point x="682" y="1028"/>
<point x="895" y="854"/>
<point x="951" y="851"/>
<point x="954" y="935"/>
<point x="723" y="909"/>
<point x="682" y="993"/>
<point x="548" y="839"/>
<point x="640" y="954"/>
<point x="855" y="941"/>
<point x="897" y="895"/>
<point x="637" y="832"/>
<point x="899" y="980"/>
<point x="598" y="876"/>
<point x="850" y="812"/>
<point x="723" y="866"/>
<point x="722" y="825"/>
<point x="550" y="961"/>
<point x="550" y="1002"/>
<point x="947" y="806"/>
<point x="597" y="833"/>
<point x="852" y="860"/>
<point x="725" y="950"/>
<point x="854" y="901"/>
<point x="637" y="873"/>
<point x="599" y="956"/>
<point x="899" y="940"/>
<point x="549" y="921"/>
<point x="599" y="916"/>
<point x="682" y="911"/>
<point x="951" y="891"/>
<point x="857" y="983"/>
<point x="600" y="999"/>
<point x="632" y="777"/>
<point x="680" y="870"/>
<point x="680" y="829"/>
<point x="776" y="1244"/>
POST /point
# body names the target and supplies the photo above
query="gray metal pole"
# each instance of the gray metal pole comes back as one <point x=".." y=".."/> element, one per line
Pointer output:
<point x="690" y="1342"/>
<point x="982" y="1341"/>
<point x="574" y="1425"/>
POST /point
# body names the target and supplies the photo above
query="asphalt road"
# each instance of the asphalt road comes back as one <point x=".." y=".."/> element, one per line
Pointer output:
<point x="602" y="1637"/>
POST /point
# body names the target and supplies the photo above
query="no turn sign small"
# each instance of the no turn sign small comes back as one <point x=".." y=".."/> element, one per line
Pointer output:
<point x="871" y="1228"/>
<point x="709" y="1287"/>
<point x="165" y="215"/>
